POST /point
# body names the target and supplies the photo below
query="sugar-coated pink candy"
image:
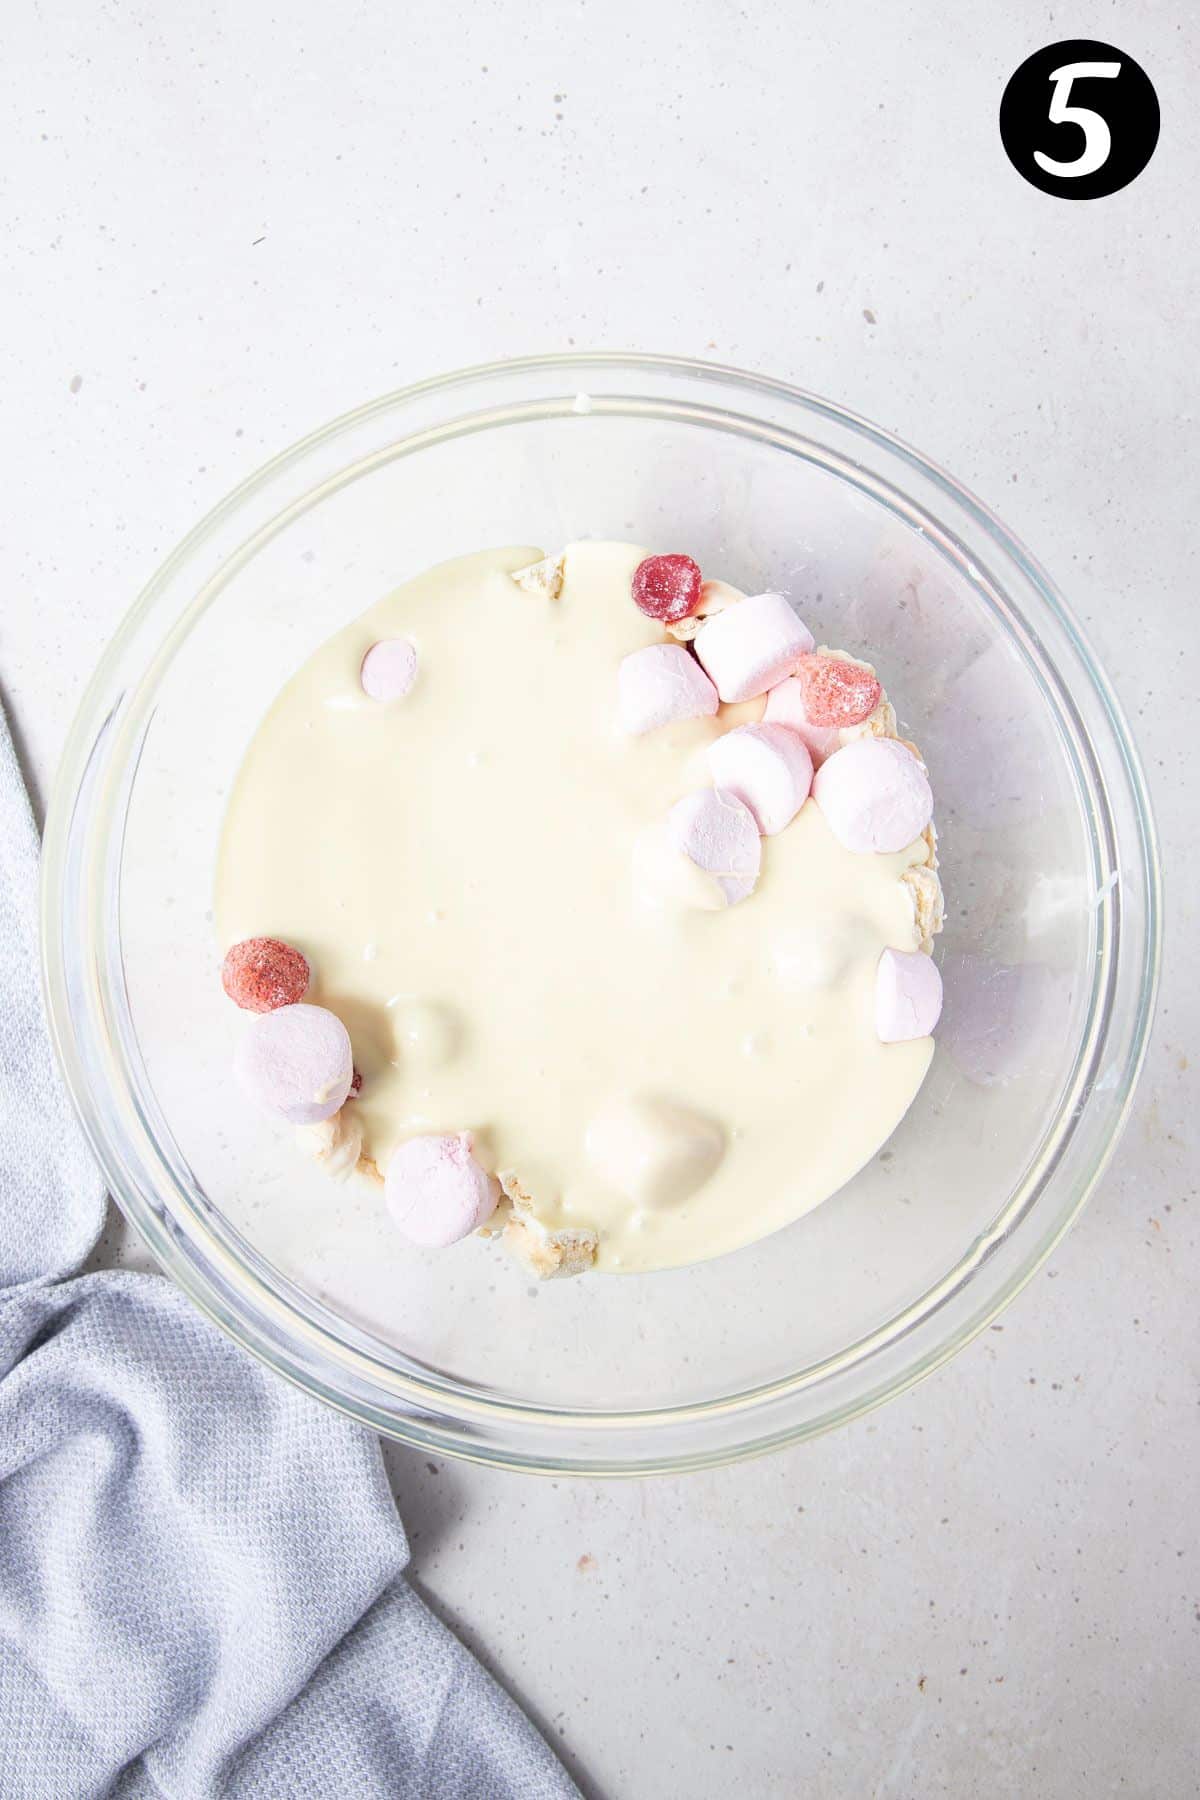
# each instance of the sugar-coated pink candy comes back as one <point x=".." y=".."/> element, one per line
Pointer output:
<point x="836" y="691"/>
<point x="296" y="1063"/>
<point x="261" y="974"/>
<point x="661" y="685"/>
<point x="750" y="647"/>
<point x="667" y="587"/>
<point x="717" y="832"/>
<point x="767" y="768"/>
<point x="908" y="996"/>
<point x="874" y="795"/>
<point x="389" y="669"/>
<point x="785" y="706"/>
<point x="436" y="1192"/>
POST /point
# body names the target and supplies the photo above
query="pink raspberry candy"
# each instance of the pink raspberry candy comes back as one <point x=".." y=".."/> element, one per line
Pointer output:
<point x="262" y="974"/>
<point x="667" y="588"/>
<point x="835" y="692"/>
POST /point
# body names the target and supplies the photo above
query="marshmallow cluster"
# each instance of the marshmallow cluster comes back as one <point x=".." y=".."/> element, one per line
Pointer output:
<point x="762" y="773"/>
<point x="872" y="790"/>
<point x="296" y="1062"/>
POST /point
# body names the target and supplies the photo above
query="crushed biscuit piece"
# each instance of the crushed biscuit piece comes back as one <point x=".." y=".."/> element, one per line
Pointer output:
<point x="336" y="1143"/>
<point x="548" y="1254"/>
<point x="929" y="906"/>
<point x="551" y="1255"/>
<point x="544" y="578"/>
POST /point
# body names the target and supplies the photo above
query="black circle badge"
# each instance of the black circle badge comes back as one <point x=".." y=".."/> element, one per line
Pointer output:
<point x="1079" y="119"/>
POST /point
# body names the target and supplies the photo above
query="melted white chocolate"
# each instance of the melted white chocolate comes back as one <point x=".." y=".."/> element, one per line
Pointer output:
<point x="466" y="870"/>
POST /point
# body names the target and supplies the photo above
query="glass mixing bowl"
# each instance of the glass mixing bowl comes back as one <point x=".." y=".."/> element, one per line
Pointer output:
<point x="1049" y="955"/>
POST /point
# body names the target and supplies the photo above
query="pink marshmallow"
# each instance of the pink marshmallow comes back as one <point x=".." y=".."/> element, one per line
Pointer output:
<point x="785" y="706"/>
<point x="296" y="1062"/>
<point x="715" y="831"/>
<point x="750" y="647"/>
<point x="661" y="685"/>
<point x="767" y="768"/>
<point x="436" y="1192"/>
<point x="874" y="795"/>
<point x="908" y="996"/>
<point x="389" y="669"/>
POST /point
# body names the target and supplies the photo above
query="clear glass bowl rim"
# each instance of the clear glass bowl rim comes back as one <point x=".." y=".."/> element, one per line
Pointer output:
<point x="439" y="1415"/>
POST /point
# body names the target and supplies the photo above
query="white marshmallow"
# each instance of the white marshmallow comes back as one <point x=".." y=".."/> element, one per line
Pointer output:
<point x="661" y="685"/>
<point x="766" y="767"/>
<point x="750" y="647"/>
<point x="436" y="1192"/>
<point x="654" y="1152"/>
<point x="296" y="1063"/>
<point x="785" y="706"/>
<point x="718" y="834"/>
<point x="874" y="795"/>
<point x="908" y="996"/>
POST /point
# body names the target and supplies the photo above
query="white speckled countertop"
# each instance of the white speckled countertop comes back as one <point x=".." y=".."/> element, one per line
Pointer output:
<point x="224" y="225"/>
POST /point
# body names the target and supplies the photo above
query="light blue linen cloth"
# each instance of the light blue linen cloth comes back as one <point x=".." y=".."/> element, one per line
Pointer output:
<point x="201" y="1570"/>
